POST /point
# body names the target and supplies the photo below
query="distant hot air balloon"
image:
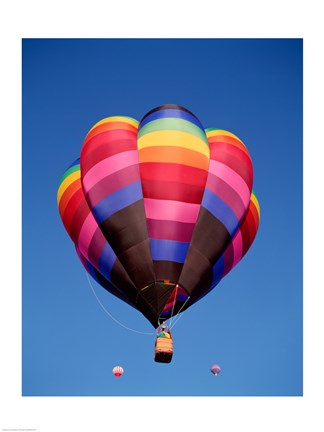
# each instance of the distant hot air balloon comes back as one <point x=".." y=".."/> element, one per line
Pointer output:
<point x="215" y="369"/>
<point x="118" y="371"/>
<point x="159" y="211"/>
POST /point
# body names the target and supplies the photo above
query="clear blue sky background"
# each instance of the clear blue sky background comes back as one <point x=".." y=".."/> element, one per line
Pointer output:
<point x="251" y="324"/>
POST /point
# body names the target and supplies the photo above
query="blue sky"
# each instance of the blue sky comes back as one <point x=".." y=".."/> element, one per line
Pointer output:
<point x="251" y="324"/>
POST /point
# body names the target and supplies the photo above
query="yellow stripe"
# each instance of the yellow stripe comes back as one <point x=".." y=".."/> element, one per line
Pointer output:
<point x="255" y="202"/>
<point x="116" y="119"/>
<point x="66" y="183"/>
<point x="222" y="132"/>
<point x="173" y="139"/>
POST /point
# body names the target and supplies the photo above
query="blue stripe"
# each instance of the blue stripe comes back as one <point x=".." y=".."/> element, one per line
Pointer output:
<point x="106" y="261"/>
<point x="218" y="270"/>
<point x="181" y="297"/>
<point x="169" y="250"/>
<point x="171" y="113"/>
<point x="107" y="284"/>
<point x="76" y="162"/>
<point x="221" y="211"/>
<point x="91" y="270"/>
<point x="166" y="314"/>
<point x="94" y="273"/>
<point x="117" y="200"/>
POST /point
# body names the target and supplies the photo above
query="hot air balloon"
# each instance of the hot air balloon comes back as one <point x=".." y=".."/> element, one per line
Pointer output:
<point x="118" y="371"/>
<point x="163" y="345"/>
<point x="215" y="369"/>
<point x="159" y="210"/>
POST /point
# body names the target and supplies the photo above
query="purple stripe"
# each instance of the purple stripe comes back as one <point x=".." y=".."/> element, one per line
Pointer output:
<point x="170" y="230"/>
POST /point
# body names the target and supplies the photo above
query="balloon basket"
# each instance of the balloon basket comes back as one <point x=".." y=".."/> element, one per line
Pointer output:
<point x="163" y="350"/>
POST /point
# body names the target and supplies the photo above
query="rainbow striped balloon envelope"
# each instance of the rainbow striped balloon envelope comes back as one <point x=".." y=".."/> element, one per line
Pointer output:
<point x="159" y="210"/>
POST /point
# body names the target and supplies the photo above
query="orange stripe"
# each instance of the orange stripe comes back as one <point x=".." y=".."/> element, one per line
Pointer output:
<point x="68" y="193"/>
<point x="109" y="126"/>
<point x="255" y="201"/>
<point x="255" y="213"/>
<point x="177" y="155"/>
<point x="228" y="140"/>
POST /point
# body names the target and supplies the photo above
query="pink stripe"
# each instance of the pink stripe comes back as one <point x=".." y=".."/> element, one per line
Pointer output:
<point x="232" y="179"/>
<point x="111" y="184"/>
<point x="171" y="210"/>
<point x="86" y="233"/>
<point x="237" y="243"/>
<point x="109" y="166"/>
<point x="227" y="194"/>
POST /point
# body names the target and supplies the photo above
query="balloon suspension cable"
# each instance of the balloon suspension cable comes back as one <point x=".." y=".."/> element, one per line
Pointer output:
<point x="174" y="319"/>
<point x="177" y="317"/>
<point x="174" y="302"/>
<point x="113" y="318"/>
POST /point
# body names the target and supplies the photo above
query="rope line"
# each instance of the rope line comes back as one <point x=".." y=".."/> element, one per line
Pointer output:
<point x="174" y="302"/>
<point x="174" y="319"/>
<point x="110" y="315"/>
<point x="177" y="317"/>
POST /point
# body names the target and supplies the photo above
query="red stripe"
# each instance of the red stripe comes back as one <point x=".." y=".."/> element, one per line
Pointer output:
<point x="107" y="127"/>
<point x="248" y="232"/>
<point x="235" y="164"/>
<point x="255" y="214"/>
<point x="174" y="173"/>
<point x="112" y="183"/>
<point x="166" y="190"/>
<point x="229" y="140"/>
<point x="245" y="159"/>
<point x="104" y="145"/>
<point x="170" y="230"/>
<point x="72" y="208"/>
<point x="67" y="195"/>
<point x="79" y="217"/>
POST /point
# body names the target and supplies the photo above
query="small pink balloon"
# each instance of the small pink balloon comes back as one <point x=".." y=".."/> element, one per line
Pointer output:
<point x="215" y="369"/>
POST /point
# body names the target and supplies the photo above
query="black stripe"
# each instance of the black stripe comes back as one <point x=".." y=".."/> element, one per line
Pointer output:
<point x="126" y="232"/>
<point x="156" y="295"/>
<point x="210" y="239"/>
<point x="169" y="270"/>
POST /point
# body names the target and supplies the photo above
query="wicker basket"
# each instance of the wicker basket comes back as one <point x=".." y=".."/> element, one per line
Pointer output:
<point x="163" y="350"/>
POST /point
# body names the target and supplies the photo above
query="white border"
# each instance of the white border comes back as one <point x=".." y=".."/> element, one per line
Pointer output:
<point x="27" y="19"/>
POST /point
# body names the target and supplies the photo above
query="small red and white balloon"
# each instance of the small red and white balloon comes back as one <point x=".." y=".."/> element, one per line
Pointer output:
<point x="118" y="371"/>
